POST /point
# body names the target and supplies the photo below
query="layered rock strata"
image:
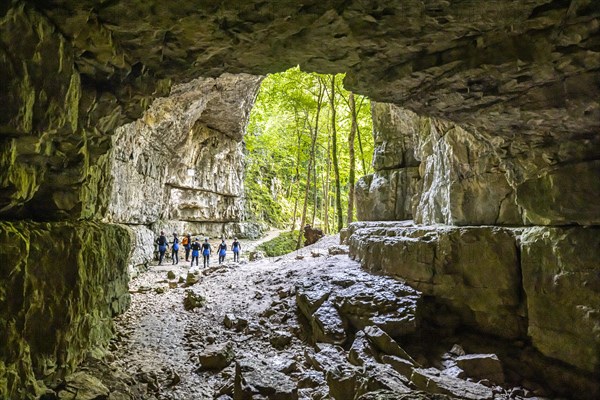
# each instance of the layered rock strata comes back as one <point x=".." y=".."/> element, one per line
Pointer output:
<point x="536" y="283"/>
<point x="433" y="171"/>
<point x="60" y="285"/>
<point x="522" y="75"/>
<point x="180" y="168"/>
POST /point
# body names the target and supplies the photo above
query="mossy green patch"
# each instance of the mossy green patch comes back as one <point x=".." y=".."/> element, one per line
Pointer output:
<point x="282" y="244"/>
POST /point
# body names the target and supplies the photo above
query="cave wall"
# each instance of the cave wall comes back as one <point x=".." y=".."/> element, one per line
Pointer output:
<point x="198" y="128"/>
<point x="60" y="285"/>
<point x="509" y="258"/>
<point x="522" y="77"/>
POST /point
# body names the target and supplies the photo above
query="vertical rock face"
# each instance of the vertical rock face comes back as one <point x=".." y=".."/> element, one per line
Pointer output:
<point x="182" y="162"/>
<point x="60" y="285"/>
<point x="467" y="178"/>
<point x="435" y="172"/>
<point x="536" y="282"/>
<point x="474" y="270"/>
<point x="561" y="278"/>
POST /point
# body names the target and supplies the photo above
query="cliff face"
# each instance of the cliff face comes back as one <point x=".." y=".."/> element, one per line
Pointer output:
<point x="505" y="92"/>
<point x="61" y="285"/>
<point x="518" y="282"/>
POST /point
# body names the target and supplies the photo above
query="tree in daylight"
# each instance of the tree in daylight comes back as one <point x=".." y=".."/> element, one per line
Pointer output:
<point x="301" y="159"/>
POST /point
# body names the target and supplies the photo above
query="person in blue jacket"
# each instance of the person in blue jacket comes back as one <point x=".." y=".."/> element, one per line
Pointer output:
<point x="206" y="250"/>
<point x="236" y="247"/>
<point x="222" y="251"/>
<point x="195" y="251"/>
<point x="175" y="249"/>
<point x="162" y="246"/>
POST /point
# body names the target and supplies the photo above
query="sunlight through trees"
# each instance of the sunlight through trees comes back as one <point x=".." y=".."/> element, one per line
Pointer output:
<point x="301" y="140"/>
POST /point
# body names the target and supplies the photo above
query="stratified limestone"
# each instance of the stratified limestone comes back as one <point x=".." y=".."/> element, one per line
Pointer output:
<point x="563" y="195"/>
<point x="387" y="195"/>
<point x="474" y="270"/>
<point x="561" y="277"/>
<point x="435" y="172"/>
<point x="177" y="162"/>
<point x="142" y="248"/>
<point x="61" y="284"/>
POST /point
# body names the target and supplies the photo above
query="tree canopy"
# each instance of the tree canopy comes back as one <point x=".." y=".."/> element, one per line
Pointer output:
<point x="290" y="153"/>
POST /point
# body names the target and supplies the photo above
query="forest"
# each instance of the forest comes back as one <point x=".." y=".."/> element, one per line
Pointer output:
<point x="307" y="142"/>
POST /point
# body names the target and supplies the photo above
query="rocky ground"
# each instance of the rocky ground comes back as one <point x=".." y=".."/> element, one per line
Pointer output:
<point x="308" y="325"/>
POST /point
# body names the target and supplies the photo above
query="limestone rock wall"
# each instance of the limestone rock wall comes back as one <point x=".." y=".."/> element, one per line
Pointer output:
<point x="537" y="282"/>
<point x="561" y="278"/>
<point x="177" y="162"/>
<point x="60" y="285"/>
<point x="468" y="178"/>
<point x="433" y="171"/>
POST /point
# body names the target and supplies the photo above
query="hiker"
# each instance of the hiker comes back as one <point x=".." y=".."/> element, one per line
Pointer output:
<point x="236" y="246"/>
<point x="175" y="249"/>
<point x="162" y="246"/>
<point x="187" y="245"/>
<point x="206" y="250"/>
<point x="222" y="251"/>
<point x="195" y="251"/>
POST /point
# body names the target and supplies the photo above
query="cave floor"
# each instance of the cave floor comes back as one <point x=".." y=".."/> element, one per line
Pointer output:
<point x="156" y="337"/>
<point x="251" y="307"/>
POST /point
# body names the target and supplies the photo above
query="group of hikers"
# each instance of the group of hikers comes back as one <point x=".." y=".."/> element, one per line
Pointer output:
<point x="194" y="247"/>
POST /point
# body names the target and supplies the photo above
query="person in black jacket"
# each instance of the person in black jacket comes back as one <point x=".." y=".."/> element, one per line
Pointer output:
<point x="236" y="246"/>
<point x="162" y="246"/>
<point x="175" y="249"/>
<point x="222" y="251"/>
<point x="206" y="250"/>
<point x="195" y="251"/>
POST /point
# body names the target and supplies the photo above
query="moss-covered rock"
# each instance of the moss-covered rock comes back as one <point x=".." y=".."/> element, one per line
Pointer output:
<point x="60" y="285"/>
<point x="561" y="278"/>
<point x="280" y="245"/>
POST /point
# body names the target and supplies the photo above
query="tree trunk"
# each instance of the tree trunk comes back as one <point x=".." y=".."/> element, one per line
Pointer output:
<point x="297" y="176"/>
<point x="336" y="168"/>
<point x="326" y="186"/>
<point x="310" y="165"/>
<point x="315" y="188"/>
<point x="351" y="173"/>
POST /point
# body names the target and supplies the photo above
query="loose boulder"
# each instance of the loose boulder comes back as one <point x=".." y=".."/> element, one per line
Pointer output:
<point x="216" y="356"/>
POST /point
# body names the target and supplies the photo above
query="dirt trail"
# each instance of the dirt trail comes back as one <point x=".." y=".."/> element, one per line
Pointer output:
<point x="157" y="337"/>
<point x="252" y="308"/>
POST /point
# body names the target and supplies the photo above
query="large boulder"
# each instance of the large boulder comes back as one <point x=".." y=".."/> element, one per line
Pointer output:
<point x="561" y="278"/>
<point x="257" y="379"/>
<point x="337" y="307"/>
<point x="473" y="270"/>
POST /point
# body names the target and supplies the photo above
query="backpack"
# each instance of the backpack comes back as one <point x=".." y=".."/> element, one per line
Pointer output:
<point x="184" y="241"/>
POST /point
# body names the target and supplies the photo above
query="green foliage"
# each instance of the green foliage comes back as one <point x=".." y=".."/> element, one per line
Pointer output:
<point x="278" y="143"/>
<point x="283" y="244"/>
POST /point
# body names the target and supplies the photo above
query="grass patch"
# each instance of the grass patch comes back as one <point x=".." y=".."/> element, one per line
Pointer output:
<point x="283" y="244"/>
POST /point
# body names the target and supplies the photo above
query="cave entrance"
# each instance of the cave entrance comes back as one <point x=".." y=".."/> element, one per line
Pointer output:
<point x="307" y="141"/>
<point x="225" y="157"/>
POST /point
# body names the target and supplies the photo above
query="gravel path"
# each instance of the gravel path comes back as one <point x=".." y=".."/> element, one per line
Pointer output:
<point x="158" y="341"/>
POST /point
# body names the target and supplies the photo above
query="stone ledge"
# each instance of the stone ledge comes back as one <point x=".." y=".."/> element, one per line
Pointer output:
<point x="541" y="282"/>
